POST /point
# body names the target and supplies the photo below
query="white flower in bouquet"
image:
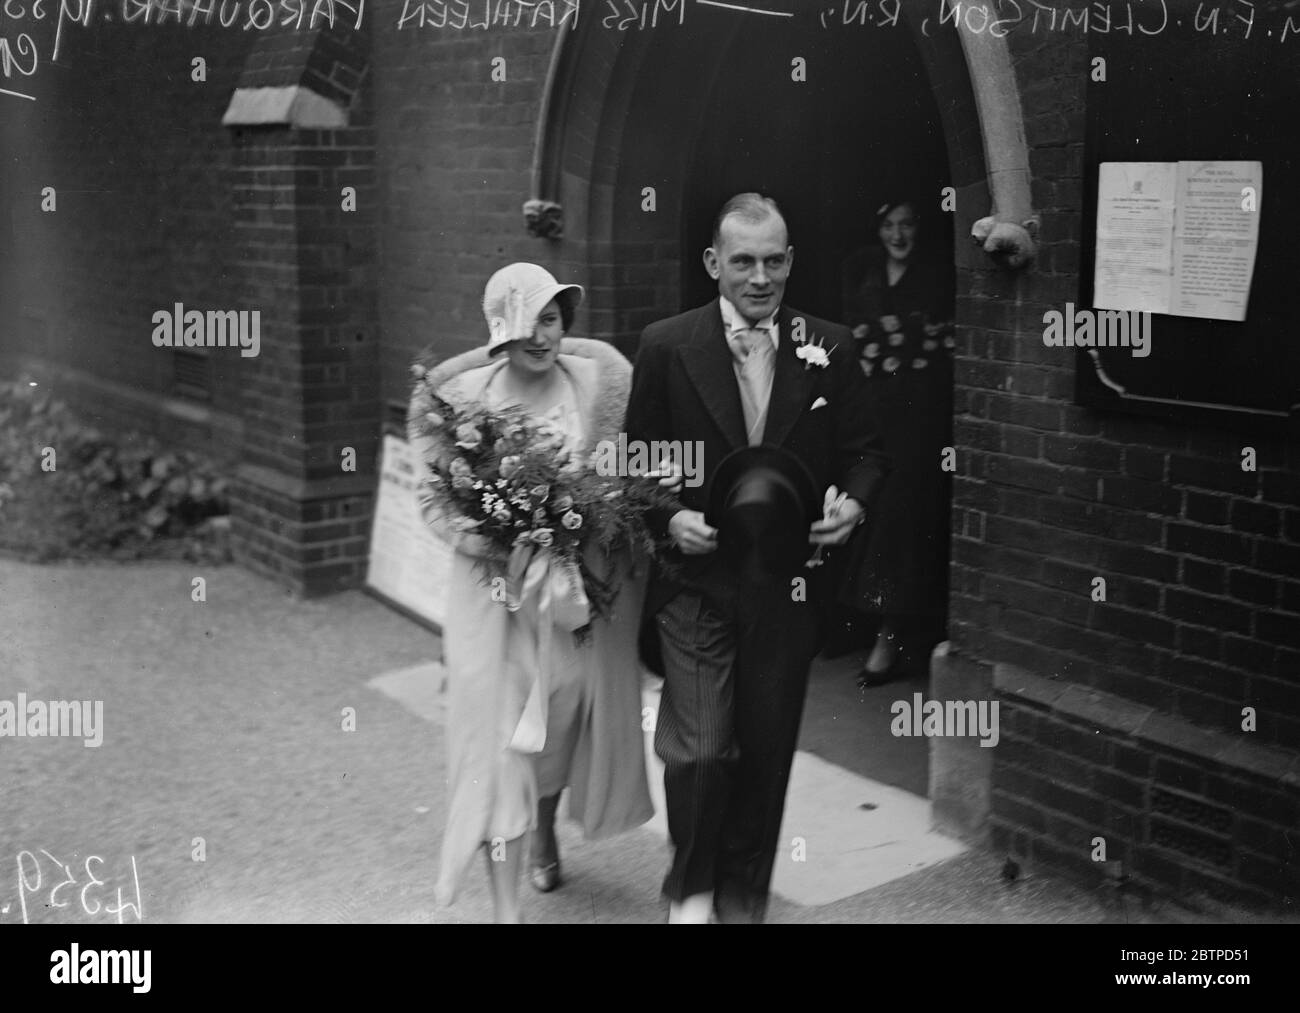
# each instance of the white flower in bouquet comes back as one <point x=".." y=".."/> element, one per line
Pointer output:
<point x="509" y="466"/>
<point x="571" y="520"/>
<point x="563" y="503"/>
<point x="468" y="436"/>
<point x="540" y="492"/>
<point x="502" y="513"/>
<point x="543" y="537"/>
<point x="461" y="467"/>
<point x="462" y="482"/>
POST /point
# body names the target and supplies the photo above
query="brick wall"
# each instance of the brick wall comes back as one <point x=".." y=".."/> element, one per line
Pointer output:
<point x="137" y="154"/>
<point x="303" y="498"/>
<point x="454" y="170"/>
<point x="1130" y="798"/>
<point x="159" y="203"/>
<point x="313" y="392"/>
<point x="1201" y="562"/>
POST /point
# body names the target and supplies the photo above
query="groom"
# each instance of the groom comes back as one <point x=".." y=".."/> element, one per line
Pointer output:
<point x="736" y="651"/>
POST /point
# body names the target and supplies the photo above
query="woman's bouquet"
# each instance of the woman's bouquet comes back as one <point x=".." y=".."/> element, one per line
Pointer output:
<point x="509" y="477"/>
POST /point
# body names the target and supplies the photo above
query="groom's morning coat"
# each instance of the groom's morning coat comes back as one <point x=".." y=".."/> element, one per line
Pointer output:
<point x="684" y="388"/>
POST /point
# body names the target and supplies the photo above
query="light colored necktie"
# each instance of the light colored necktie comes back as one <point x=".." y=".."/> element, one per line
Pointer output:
<point x="755" y="366"/>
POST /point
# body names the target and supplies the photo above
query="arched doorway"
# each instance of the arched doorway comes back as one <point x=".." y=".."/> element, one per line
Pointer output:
<point x="626" y="110"/>
<point x="863" y="126"/>
<point x="645" y="133"/>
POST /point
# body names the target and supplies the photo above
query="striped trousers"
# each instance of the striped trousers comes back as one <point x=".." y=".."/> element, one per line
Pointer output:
<point x="735" y="673"/>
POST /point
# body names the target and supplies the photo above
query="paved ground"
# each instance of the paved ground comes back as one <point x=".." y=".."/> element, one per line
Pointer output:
<point x="224" y="739"/>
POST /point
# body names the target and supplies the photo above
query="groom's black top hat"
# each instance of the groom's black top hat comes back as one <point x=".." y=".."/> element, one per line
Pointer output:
<point x="762" y="501"/>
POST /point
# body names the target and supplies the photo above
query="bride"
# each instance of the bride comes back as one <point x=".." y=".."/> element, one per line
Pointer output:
<point x="530" y="711"/>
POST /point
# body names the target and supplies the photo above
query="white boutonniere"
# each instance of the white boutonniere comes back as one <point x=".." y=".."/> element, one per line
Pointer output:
<point x="814" y="354"/>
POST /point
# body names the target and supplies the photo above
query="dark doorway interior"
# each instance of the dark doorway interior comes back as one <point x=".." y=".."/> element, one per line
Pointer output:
<point x="861" y="129"/>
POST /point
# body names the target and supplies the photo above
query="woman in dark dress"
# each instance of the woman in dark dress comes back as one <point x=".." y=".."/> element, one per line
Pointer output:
<point x="899" y="304"/>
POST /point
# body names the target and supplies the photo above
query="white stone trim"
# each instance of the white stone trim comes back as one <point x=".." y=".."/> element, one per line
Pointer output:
<point x="997" y="97"/>
<point x="290" y="105"/>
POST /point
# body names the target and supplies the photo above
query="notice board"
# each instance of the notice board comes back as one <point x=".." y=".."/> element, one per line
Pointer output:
<point x="409" y="564"/>
<point x="1204" y="90"/>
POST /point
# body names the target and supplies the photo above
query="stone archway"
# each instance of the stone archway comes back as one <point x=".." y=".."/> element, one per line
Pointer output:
<point x="586" y="127"/>
<point x="629" y="261"/>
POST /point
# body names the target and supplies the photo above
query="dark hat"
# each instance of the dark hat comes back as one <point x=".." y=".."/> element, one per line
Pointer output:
<point x="762" y="501"/>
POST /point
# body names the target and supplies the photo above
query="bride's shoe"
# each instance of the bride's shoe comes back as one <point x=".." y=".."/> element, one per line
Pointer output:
<point x="543" y="874"/>
<point x="545" y="878"/>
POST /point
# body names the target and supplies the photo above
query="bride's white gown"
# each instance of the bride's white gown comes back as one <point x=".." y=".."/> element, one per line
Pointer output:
<point x="590" y="694"/>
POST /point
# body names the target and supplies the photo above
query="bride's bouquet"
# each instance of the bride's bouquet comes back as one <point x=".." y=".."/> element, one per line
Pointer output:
<point x="509" y="478"/>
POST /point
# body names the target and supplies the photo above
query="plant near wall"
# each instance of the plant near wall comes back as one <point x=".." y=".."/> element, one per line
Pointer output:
<point x="121" y="496"/>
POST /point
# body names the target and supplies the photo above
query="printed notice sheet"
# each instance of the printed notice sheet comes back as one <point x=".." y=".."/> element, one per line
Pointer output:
<point x="408" y="562"/>
<point x="1177" y="237"/>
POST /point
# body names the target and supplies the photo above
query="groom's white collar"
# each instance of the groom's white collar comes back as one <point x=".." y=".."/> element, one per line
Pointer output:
<point x="732" y="322"/>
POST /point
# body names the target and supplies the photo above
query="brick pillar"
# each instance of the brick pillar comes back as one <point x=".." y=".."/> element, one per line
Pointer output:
<point x="300" y="137"/>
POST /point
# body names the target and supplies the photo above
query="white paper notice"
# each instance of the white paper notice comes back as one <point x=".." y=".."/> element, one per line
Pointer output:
<point x="408" y="562"/>
<point x="1177" y="237"/>
<point x="1135" y="235"/>
<point x="1217" y="233"/>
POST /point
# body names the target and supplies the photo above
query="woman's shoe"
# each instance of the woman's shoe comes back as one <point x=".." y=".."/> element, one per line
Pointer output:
<point x="545" y="878"/>
<point x="544" y="875"/>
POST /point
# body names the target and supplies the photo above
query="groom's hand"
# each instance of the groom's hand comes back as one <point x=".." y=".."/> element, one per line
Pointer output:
<point x="691" y="534"/>
<point x="670" y="477"/>
<point x="836" y="525"/>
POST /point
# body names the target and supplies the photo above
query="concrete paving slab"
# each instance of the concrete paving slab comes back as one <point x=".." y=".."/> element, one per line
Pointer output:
<point x="842" y="833"/>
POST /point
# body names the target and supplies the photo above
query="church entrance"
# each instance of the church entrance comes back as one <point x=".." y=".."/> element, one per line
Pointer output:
<point x="660" y="126"/>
